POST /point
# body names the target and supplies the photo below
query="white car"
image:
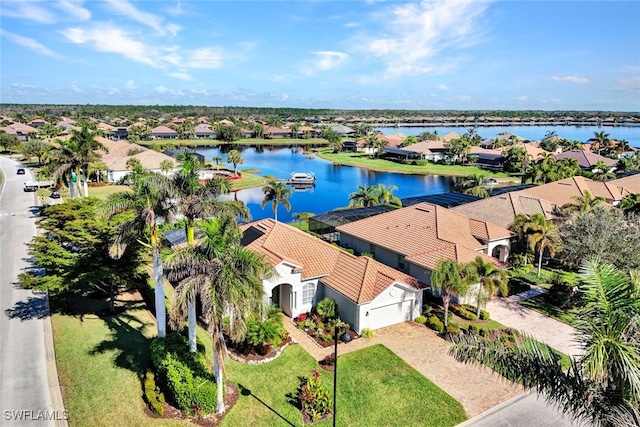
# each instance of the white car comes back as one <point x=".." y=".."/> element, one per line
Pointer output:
<point x="31" y="186"/>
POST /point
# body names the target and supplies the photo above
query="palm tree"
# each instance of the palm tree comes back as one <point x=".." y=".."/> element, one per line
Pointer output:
<point x="601" y="387"/>
<point x="450" y="278"/>
<point x="87" y="147"/>
<point x="601" y="172"/>
<point x="234" y="157"/>
<point x="386" y="196"/>
<point x="631" y="203"/>
<point x="520" y="226"/>
<point x="167" y="166"/>
<point x="475" y="185"/>
<point x="276" y="192"/>
<point x="228" y="280"/>
<point x="543" y="234"/>
<point x="149" y="202"/>
<point x="302" y="216"/>
<point x="200" y="201"/>
<point x="583" y="204"/>
<point x="601" y="141"/>
<point x="490" y="278"/>
<point x="67" y="161"/>
<point x="364" y="197"/>
<point x="217" y="160"/>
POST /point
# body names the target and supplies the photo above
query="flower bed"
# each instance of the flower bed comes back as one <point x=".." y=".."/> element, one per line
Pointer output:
<point x="321" y="331"/>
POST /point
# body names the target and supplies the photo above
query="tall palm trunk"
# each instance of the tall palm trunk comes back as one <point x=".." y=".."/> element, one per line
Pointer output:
<point x="71" y="188"/>
<point x="158" y="285"/>
<point x="85" y="175"/>
<point x="191" y="310"/>
<point x="218" y="366"/>
<point x="540" y="260"/>
<point x="446" y="298"/>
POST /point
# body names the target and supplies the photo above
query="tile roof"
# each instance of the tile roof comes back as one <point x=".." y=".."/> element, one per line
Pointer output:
<point x="117" y="157"/>
<point x="360" y="279"/>
<point x="586" y="159"/>
<point x="501" y="210"/>
<point x="163" y="129"/>
<point x="562" y="192"/>
<point x="424" y="232"/>
<point x="630" y="183"/>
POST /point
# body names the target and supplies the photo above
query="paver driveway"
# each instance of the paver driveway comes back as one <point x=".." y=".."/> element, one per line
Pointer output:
<point x="476" y="388"/>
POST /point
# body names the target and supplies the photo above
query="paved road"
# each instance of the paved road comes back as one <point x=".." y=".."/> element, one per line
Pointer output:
<point x="25" y="399"/>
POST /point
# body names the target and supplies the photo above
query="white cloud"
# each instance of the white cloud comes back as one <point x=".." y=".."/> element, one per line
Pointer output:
<point x="162" y="89"/>
<point x="76" y="89"/>
<point x="284" y="97"/>
<point x="75" y="9"/>
<point x="416" y="33"/>
<point x="125" y="8"/>
<point x="324" y="61"/>
<point x="131" y="85"/>
<point x="108" y="38"/>
<point x="523" y="98"/>
<point x="180" y="75"/>
<point x="570" y="79"/>
<point x="113" y="91"/>
<point x="443" y="86"/>
<point x="29" y="43"/>
<point x="206" y="57"/>
<point x="27" y="10"/>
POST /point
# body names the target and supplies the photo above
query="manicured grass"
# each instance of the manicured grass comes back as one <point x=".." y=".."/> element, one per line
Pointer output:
<point x="100" y="362"/>
<point x="365" y="161"/>
<point x="248" y="180"/>
<point x="375" y="388"/>
<point x="539" y="304"/>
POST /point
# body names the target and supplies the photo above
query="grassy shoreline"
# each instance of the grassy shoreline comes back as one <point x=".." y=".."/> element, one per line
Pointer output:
<point x="381" y="165"/>
<point x="202" y="142"/>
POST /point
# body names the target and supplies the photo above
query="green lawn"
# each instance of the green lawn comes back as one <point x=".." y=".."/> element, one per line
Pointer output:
<point x="539" y="304"/>
<point x="365" y="161"/>
<point x="375" y="388"/>
<point x="101" y="360"/>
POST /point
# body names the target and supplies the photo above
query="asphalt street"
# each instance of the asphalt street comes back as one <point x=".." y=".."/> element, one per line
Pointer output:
<point x="25" y="399"/>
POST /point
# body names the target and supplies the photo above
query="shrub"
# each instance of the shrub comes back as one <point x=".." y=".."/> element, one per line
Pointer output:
<point x="436" y="324"/>
<point x="320" y="325"/>
<point x="453" y="329"/>
<point x="152" y="394"/>
<point x="463" y="312"/>
<point x="421" y="320"/>
<point x="484" y="315"/>
<point x="313" y="396"/>
<point x="482" y="332"/>
<point x="326" y="336"/>
<point x="329" y="360"/>
<point x="367" y="333"/>
<point x="268" y="332"/>
<point x="327" y="308"/>
<point x="421" y="162"/>
<point x="560" y="293"/>
<point x="518" y="284"/>
<point x="189" y="383"/>
<point x="473" y="329"/>
<point x="301" y="317"/>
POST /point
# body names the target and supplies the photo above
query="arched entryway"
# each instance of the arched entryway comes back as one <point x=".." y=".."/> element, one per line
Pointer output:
<point x="500" y="252"/>
<point x="281" y="297"/>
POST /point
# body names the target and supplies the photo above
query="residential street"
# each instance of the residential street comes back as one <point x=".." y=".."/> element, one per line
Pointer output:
<point x="25" y="347"/>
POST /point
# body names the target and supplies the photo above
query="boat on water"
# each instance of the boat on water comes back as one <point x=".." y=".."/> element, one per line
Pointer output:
<point x="301" y="179"/>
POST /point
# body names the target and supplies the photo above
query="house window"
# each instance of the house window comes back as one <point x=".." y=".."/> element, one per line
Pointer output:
<point x="308" y="290"/>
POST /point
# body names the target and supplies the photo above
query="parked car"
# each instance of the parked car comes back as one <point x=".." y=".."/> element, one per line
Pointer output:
<point x="55" y="194"/>
<point x="21" y="171"/>
<point x="31" y="186"/>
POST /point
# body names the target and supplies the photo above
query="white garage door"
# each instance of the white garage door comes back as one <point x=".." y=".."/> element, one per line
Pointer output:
<point x="391" y="314"/>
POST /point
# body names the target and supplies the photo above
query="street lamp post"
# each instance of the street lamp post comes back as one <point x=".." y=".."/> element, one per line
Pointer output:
<point x="335" y="371"/>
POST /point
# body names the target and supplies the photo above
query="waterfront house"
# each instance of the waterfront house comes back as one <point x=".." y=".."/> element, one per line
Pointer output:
<point x="120" y="152"/>
<point x="203" y="130"/>
<point x="163" y="132"/>
<point x="586" y="159"/>
<point x="415" y="238"/>
<point x="368" y="293"/>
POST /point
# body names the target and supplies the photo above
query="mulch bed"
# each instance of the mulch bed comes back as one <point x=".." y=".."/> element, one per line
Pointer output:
<point x="206" y="421"/>
<point x="325" y="344"/>
<point x="250" y="353"/>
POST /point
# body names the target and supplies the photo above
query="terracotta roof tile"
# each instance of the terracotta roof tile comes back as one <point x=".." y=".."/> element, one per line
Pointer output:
<point x="631" y="183"/>
<point x="360" y="279"/>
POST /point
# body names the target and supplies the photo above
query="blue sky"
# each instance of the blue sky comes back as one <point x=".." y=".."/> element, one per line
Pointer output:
<point x="549" y="55"/>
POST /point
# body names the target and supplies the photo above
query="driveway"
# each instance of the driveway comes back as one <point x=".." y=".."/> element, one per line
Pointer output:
<point x="476" y="388"/>
<point x="27" y="361"/>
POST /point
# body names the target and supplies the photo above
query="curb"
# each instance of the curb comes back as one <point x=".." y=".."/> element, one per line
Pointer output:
<point x="472" y="421"/>
<point x="55" y="392"/>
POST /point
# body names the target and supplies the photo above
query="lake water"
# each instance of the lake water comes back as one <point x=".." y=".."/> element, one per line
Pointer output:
<point x="334" y="183"/>
<point x="533" y="133"/>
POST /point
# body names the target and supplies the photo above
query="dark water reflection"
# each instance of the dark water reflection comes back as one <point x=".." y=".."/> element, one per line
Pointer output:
<point x="334" y="183"/>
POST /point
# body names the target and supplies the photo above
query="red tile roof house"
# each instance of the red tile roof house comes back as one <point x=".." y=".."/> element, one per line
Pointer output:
<point x="368" y="293"/>
<point x="415" y="238"/>
<point x="163" y="132"/>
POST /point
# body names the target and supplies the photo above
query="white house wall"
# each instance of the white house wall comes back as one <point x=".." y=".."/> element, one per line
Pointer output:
<point x="396" y="295"/>
<point x="347" y="309"/>
<point x="285" y="275"/>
